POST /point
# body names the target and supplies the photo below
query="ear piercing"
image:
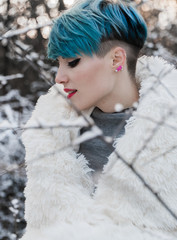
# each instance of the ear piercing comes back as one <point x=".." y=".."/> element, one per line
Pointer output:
<point x="120" y="68"/>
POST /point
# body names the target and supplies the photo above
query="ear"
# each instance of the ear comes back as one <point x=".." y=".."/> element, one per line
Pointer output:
<point x="118" y="57"/>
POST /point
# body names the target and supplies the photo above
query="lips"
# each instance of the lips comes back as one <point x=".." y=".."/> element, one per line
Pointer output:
<point x="70" y="91"/>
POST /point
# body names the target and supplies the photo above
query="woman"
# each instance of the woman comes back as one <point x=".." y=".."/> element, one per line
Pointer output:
<point x="99" y="189"/>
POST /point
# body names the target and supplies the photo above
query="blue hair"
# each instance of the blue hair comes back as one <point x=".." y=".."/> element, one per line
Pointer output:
<point x="82" y="28"/>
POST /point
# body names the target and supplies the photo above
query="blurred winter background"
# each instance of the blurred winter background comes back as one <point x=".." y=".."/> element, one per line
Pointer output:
<point x="26" y="73"/>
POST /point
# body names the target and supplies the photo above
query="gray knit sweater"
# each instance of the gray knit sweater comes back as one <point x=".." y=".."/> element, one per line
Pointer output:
<point x="112" y="124"/>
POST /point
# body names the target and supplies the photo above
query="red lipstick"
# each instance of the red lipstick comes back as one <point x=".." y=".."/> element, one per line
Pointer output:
<point x="70" y="91"/>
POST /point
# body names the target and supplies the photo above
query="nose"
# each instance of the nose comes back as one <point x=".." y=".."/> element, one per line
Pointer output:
<point x="61" y="77"/>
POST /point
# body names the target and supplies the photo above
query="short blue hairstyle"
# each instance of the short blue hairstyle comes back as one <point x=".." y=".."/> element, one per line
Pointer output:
<point x="82" y="28"/>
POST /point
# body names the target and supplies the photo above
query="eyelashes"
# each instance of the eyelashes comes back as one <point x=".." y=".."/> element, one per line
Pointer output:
<point x="74" y="63"/>
<point x="71" y="64"/>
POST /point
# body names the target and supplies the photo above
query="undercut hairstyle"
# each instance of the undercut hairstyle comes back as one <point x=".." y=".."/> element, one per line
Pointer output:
<point x="95" y="27"/>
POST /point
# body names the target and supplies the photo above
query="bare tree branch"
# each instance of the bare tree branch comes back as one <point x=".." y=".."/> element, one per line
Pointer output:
<point x="12" y="33"/>
<point x="4" y="79"/>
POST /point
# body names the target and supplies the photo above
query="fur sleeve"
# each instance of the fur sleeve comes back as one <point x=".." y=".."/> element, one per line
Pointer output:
<point x="58" y="182"/>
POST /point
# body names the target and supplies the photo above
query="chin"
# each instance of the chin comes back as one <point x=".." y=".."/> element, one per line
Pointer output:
<point x="82" y="107"/>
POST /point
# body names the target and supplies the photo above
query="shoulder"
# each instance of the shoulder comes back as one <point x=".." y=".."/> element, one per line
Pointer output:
<point x="155" y="69"/>
<point x="154" y="64"/>
<point x="158" y="80"/>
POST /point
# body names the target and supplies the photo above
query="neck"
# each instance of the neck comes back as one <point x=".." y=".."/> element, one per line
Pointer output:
<point x="125" y="92"/>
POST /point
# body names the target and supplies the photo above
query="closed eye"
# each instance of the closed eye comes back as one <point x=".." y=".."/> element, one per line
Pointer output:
<point x="74" y="63"/>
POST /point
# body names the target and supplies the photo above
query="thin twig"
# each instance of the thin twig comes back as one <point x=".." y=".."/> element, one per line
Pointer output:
<point x="140" y="177"/>
<point x="162" y="154"/>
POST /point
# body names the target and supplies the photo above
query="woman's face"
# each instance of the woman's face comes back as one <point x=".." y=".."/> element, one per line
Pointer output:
<point x="86" y="80"/>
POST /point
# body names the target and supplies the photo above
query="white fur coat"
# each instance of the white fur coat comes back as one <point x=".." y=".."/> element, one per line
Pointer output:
<point x="60" y="202"/>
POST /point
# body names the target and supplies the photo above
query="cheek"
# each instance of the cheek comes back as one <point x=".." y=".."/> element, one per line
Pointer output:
<point x="92" y="73"/>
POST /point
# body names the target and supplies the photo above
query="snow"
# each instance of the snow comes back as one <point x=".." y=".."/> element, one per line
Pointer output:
<point x="9" y="119"/>
<point x="23" y="46"/>
<point x="12" y="176"/>
<point x="119" y="107"/>
<point x="80" y="121"/>
<point x="135" y="104"/>
<point x="12" y="33"/>
<point x="13" y="210"/>
<point x="93" y="133"/>
<point x="7" y="125"/>
<point x="4" y="79"/>
<point x="34" y="55"/>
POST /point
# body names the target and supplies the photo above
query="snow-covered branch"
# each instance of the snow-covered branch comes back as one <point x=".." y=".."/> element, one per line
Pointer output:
<point x="4" y="79"/>
<point x="93" y="133"/>
<point x="12" y="33"/>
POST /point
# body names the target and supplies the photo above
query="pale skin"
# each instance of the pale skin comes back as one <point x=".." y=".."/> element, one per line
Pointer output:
<point x="97" y="83"/>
